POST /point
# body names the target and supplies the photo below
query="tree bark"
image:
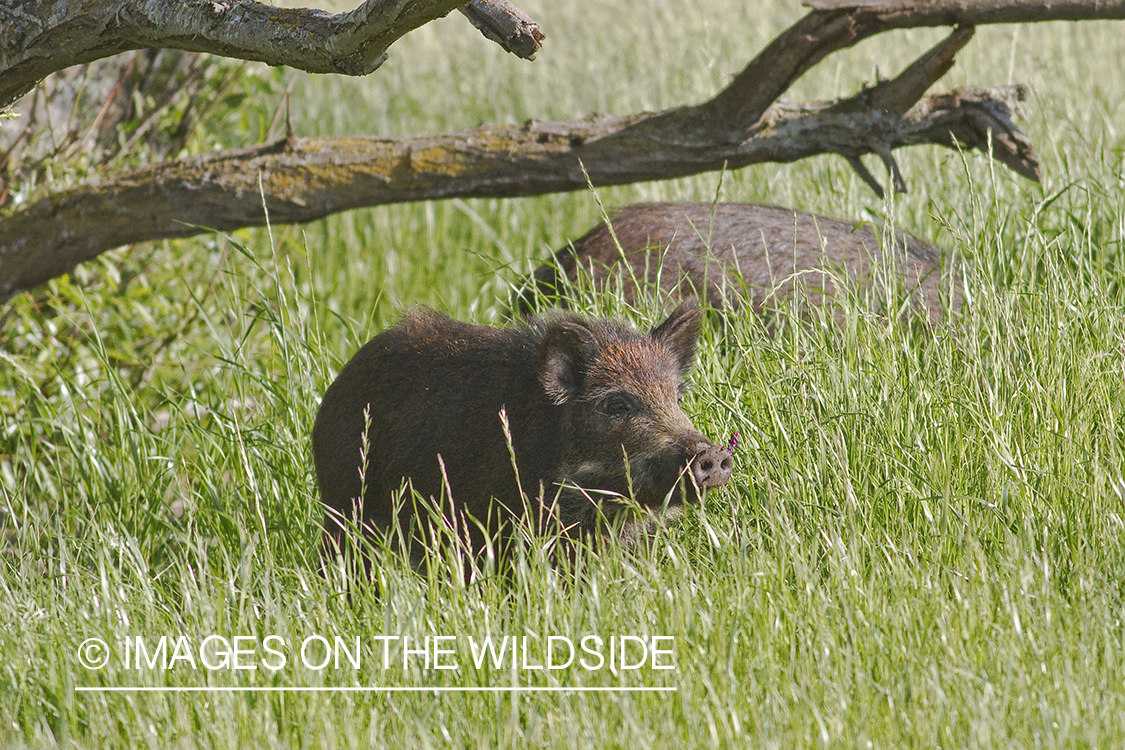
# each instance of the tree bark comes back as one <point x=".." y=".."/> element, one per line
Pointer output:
<point x="42" y="36"/>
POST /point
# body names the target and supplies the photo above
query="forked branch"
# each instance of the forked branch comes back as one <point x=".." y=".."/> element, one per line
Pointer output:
<point x="837" y="24"/>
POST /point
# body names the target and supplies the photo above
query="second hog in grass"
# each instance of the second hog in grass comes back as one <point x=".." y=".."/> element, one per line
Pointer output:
<point x="593" y="414"/>
<point x="736" y="254"/>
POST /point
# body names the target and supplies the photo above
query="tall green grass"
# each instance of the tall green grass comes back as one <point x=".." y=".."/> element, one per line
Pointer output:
<point x="922" y="544"/>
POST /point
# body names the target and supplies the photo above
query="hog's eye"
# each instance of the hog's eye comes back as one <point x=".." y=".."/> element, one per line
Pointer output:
<point x="620" y="406"/>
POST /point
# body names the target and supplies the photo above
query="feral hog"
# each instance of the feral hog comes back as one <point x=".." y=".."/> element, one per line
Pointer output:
<point x="732" y="253"/>
<point x="593" y="414"/>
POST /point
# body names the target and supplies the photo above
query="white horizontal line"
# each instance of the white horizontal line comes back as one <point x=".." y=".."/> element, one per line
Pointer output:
<point x="373" y="689"/>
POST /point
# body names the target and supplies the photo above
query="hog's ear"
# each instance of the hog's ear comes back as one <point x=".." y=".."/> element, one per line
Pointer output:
<point x="563" y="359"/>
<point x="680" y="333"/>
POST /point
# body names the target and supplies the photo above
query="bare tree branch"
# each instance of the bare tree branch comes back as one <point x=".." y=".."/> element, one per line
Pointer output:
<point x="304" y="179"/>
<point x="42" y="36"/>
<point x="916" y="13"/>
<point x="307" y="178"/>
<point x="838" y="24"/>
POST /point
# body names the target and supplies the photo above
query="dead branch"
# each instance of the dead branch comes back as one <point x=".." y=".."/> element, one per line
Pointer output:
<point x="309" y="178"/>
<point x="43" y="36"/>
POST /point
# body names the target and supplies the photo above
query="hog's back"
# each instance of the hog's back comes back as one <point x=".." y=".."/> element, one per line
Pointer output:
<point x="434" y="386"/>
<point x="738" y="252"/>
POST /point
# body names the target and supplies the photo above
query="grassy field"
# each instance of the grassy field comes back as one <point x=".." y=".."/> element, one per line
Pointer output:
<point x="923" y="543"/>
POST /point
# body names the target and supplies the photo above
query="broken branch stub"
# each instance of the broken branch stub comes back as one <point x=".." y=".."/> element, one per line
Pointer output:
<point x="500" y="22"/>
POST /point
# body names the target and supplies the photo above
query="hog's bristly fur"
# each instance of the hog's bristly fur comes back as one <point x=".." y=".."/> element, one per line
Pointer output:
<point x="736" y="254"/>
<point x="592" y="411"/>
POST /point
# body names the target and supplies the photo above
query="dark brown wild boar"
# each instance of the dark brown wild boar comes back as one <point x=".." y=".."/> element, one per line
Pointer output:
<point x="734" y="252"/>
<point x="593" y="409"/>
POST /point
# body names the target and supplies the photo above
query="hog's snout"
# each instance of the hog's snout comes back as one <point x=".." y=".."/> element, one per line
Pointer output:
<point x="711" y="466"/>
